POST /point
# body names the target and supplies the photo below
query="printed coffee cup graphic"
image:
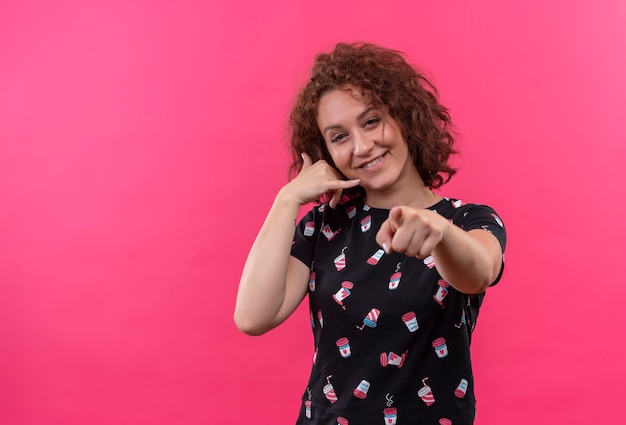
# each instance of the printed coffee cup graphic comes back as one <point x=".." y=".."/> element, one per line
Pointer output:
<point x="344" y="347"/>
<point x="361" y="390"/>
<point x="426" y="393"/>
<point x="351" y="210"/>
<point x="391" y="415"/>
<point x="374" y="259"/>
<point x="461" y="389"/>
<point x="371" y="320"/>
<point x="410" y="321"/>
<point x="329" y="390"/>
<point x="440" y="347"/>
<point x="312" y="282"/>
<point x="366" y="224"/>
<point x="340" y="260"/>
<point x="343" y="293"/>
<point x="394" y="280"/>
<point x="309" y="228"/>
<point x="442" y="291"/>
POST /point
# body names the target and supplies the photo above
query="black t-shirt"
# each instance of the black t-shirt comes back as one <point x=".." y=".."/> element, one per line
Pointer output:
<point x="391" y="337"/>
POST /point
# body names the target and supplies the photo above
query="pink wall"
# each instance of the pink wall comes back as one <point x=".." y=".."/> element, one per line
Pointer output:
<point x="141" y="144"/>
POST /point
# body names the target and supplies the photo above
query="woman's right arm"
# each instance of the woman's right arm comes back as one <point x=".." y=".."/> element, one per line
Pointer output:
<point x="273" y="283"/>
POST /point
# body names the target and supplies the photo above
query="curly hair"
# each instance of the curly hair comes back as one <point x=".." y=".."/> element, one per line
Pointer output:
<point x="389" y="82"/>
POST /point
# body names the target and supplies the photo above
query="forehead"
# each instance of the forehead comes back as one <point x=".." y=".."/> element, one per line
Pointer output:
<point x="340" y="104"/>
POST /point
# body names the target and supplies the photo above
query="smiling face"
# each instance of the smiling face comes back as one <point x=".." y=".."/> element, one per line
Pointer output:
<point x="367" y="144"/>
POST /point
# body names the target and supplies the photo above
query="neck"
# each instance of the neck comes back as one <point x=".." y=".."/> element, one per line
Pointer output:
<point x="419" y="196"/>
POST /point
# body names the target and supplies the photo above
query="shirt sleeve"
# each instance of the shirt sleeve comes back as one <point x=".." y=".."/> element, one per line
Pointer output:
<point x="474" y="216"/>
<point x="305" y="237"/>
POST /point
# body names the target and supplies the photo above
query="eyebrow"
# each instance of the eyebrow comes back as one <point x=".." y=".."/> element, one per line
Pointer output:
<point x="358" y="118"/>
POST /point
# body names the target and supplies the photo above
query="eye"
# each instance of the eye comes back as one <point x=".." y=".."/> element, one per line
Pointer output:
<point x="371" y="122"/>
<point x="338" y="137"/>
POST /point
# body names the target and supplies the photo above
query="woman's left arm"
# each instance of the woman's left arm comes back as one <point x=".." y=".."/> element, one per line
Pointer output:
<point x="470" y="261"/>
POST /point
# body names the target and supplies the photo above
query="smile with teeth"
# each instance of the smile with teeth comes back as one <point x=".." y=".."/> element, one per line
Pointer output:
<point x="372" y="162"/>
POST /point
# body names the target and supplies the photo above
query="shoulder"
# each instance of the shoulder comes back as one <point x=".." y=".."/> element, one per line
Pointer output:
<point x="458" y="209"/>
<point x="469" y="215"/>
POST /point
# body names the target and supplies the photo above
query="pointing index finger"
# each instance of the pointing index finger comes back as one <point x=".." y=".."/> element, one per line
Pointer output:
<point x="395" y="218"/>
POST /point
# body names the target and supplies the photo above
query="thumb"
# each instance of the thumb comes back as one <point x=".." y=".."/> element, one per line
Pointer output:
<point x="306" y="160"/>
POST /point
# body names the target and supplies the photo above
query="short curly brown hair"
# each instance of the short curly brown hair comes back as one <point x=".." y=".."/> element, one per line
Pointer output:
<point x="388" y="81"/>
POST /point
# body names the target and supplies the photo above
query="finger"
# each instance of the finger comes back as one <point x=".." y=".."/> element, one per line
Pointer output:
<point x="306" y="160"/>
<point x="338" y="190"/>
<point x="406" y="241"/>
<point x="346" y="184"/>
<point x="416" y="246"/>
<point x="385" y="236"/>
<point x="336" y="198"/>
<point x="396" y="218"/>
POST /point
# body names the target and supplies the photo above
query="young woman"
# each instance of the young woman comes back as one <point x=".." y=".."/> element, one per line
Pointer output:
<point x="394" y="272"/>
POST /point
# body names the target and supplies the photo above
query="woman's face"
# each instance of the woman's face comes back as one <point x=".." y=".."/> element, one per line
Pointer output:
<point x="364" y="142"/>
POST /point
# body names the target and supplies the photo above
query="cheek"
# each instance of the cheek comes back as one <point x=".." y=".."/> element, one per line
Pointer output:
<point x="339" y="153"/>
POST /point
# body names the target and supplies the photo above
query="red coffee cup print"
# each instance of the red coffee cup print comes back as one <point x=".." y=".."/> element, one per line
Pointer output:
<point x="361" y="390"/>
<point x="340" y="260"/>
<point x="312" y="282"/>
<point x="371" y="320"/>
<point x="307" y="409"/>
<point x="392" y="358"/>
<point x="366" y="223"/>
<point x="309" y="228"/>
<point x="410" y="321"/>
<point x="343" y="293"/>
<point x="329" y="390"/>
<point x="442" y="292"/>
<point x="429" y="261"/>
<point x="328" y="232"/>
<point x="441" y="348"/>
<point x="342" y="421"/>
<point x="445" y="421"/>
<point x="394" y="280"/>
<point x="374" y="259"/>
<point x="391" y="415"/>
<point x="344" y="347"/>
<point x="351" y="210"/>
<point x="426" y="393"/>
<point x="461" y="389"/>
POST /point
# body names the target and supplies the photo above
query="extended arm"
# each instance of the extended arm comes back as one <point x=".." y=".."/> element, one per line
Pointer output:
<point x="468" y="260"/>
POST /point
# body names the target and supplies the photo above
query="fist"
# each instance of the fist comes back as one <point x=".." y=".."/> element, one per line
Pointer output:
<point x="413" y="232"/>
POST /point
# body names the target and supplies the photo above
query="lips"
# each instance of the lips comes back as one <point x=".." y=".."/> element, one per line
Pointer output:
<point x="372" y="163"/>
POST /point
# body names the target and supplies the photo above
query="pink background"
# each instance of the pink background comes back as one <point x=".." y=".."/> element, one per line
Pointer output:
<point x="142" y="142"/>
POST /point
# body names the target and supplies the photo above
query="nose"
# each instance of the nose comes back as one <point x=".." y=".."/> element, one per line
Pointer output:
<point x="362" y="144"/>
